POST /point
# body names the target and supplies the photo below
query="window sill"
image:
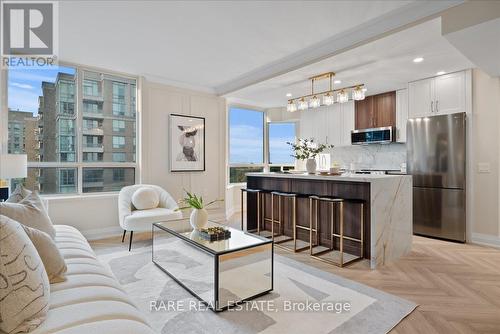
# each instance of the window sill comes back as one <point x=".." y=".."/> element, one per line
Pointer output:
<point x="235" y="185"/>
<point x="73" y="197"/>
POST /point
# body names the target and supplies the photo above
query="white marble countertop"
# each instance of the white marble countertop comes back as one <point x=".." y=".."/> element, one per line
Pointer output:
<point x="344" y="177"/>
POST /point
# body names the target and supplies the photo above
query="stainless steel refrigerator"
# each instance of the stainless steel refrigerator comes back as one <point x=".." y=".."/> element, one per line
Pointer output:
<point x="436" y="153"/>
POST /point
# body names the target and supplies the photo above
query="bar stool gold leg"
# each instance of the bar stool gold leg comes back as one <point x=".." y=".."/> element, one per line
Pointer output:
<point x="341" y="234"/>
<point x="272" y="217"/>
<point x="294" y="217"/>
<point x="242" y="209"/>
<point x="310" y="226"/>
<point x="362" y="231"/>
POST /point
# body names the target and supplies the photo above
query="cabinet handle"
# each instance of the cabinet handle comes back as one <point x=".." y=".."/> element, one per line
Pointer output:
<point x="437" y="106"/>
<point x="432" y="106"/>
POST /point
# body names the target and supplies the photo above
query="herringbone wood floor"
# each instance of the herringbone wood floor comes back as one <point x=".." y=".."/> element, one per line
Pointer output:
<point x="457" y="286"/>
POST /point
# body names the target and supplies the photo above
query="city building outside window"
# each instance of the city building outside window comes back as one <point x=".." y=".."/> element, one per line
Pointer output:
<point x="118" y="142"/>
<point x="66" y="126"/>
<point x="119" y="157"/>
<point x="118" y="125"/>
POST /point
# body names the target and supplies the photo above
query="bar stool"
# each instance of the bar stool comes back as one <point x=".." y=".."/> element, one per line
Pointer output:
<point x="281" y="229"/>
<point x="258" y="193"/>
<point x="334" y="203"/>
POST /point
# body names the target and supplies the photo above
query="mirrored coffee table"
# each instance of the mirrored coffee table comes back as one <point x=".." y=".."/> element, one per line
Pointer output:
<point x="220" y="273"/>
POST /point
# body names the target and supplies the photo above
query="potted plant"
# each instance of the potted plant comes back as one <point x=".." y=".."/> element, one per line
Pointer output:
<point x="307" y="149"/>
<point x="199" y="216"/>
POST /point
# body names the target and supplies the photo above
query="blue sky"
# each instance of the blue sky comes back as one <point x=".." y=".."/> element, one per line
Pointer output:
<point x="246" y="136"/>
<point x="25" y="86"/>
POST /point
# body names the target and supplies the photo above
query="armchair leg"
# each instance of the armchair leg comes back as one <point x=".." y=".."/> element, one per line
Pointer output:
<point x="123" y="237"/>
<point x="130" y="242"/>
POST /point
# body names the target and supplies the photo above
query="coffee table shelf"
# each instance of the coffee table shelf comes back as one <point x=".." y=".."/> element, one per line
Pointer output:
<point x="220" y="273"/>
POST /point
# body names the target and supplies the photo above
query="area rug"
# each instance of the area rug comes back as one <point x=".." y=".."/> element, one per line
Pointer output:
<point x="304" y="300"/>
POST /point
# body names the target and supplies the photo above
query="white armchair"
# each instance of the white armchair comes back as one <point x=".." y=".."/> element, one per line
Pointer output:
<point x="132" y="219"/>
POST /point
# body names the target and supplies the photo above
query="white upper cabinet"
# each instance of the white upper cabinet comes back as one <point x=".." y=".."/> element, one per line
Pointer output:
<point x="420" y="99"/>
<point x="449" y="93"/>
<point x="333" y="124"/>
<point x="328" y="124"/>
<point x="445" y="94"/>
<point x="347" y="122"/>
<point x="401" y="115"/>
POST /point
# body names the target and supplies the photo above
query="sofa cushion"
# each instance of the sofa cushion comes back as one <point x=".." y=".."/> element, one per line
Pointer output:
<point x="90" y="300"/>
<point x="142" y="219"/>
<point x="72" y="316"/>
<point x="30" y="212"/>
<point x="52" y="258"/>
<point x="18" y="194"/>
<point x="24" y="285"/>
<point x="145" y="198"/>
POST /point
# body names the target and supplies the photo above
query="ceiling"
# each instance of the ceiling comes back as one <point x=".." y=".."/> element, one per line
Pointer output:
<point x="202" y="44"/>
<point x="383" y="65"/>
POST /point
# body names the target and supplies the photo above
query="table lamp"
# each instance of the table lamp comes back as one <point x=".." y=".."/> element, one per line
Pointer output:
<point x="12" y="166"/>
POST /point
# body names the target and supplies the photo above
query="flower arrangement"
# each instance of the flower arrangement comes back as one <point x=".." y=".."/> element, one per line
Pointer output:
<point x="192" y="201"/>
<point x="307" y="149"/>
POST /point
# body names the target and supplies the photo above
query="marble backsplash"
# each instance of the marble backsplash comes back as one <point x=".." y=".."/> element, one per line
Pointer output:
<point x="374" y="156"/>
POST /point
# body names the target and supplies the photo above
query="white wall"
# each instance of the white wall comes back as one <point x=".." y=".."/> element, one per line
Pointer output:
<point x="485" y="150"/>
<point x="97" y="216"/>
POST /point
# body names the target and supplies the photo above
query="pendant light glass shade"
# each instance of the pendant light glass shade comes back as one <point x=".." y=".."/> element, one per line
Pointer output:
<point x="303" y="104"/>
<point x="342" y="96"/>
<point x="314" y="102"/>
<point x="358" y="94"/>
<point x="328" y="99"/>
<point x="291" y="106"/>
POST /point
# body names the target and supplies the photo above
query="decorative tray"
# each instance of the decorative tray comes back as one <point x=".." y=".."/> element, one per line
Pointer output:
<point x="214" y="233"/>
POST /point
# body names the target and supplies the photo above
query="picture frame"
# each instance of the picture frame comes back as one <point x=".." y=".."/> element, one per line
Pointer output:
<point x="186" y="143"/>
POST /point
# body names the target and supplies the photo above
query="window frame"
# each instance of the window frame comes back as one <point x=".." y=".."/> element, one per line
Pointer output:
<point x="79" y="164"/>
<point x="296" y="125"/>
<point x="229" y="165"/>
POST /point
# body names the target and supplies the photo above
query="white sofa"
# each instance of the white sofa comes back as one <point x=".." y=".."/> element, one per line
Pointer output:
<point x="91" y="299"/>
<point x="132" y="219"/>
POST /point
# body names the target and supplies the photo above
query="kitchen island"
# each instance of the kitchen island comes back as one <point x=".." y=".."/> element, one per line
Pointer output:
<point x="387" y="211"/>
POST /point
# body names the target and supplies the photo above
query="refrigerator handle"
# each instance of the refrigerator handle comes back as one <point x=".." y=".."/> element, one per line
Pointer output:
<point x="437" y="108"/>
<point x="432" y="106"/>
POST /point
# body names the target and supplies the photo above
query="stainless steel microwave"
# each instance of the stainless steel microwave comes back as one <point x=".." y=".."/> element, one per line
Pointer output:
<point x="383" y="135"/>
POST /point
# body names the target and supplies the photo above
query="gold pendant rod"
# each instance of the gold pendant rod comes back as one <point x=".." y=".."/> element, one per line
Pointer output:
<point x="327" y="91"/>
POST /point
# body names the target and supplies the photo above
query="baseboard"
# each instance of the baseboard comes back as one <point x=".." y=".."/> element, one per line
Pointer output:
<point x="485" y="240"/>
<point x="113" y="231"/>
<point x="102" y="233"/>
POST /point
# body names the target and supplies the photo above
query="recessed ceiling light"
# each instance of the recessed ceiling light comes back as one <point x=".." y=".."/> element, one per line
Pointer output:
<point x="288" y="94"/>
<point x="337" y="82"/>
<point x="418" y="60"/>
<point x="440" y="73"/>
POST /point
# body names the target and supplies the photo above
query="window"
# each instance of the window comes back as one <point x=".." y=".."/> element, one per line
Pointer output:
<point x="118" y="125"/>
<point x="118" y="142"/>
<point x="64" y="119"/>
<point x="118" y="157"/>
<point x="119" y="104"/>
<point x="92" y="156"/>
<point x="246" y="143"/>
<point x="90" y="88"/>
<point x="280" y="153"/>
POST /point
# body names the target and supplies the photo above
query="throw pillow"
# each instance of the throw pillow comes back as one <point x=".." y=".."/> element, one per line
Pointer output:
<point x="52" y="258"/>
<point x="145" y="198"/>
<point x="24" y="285"/>
<point x="30" y="212"/>
<point x="18" y="195"/>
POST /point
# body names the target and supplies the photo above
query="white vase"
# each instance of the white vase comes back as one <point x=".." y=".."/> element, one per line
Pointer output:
<point x="311" y="166"/>
<point x="198" y="218"/>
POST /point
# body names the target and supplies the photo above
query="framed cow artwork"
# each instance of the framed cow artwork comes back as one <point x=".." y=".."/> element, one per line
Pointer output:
<point x="187" y="143"/>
